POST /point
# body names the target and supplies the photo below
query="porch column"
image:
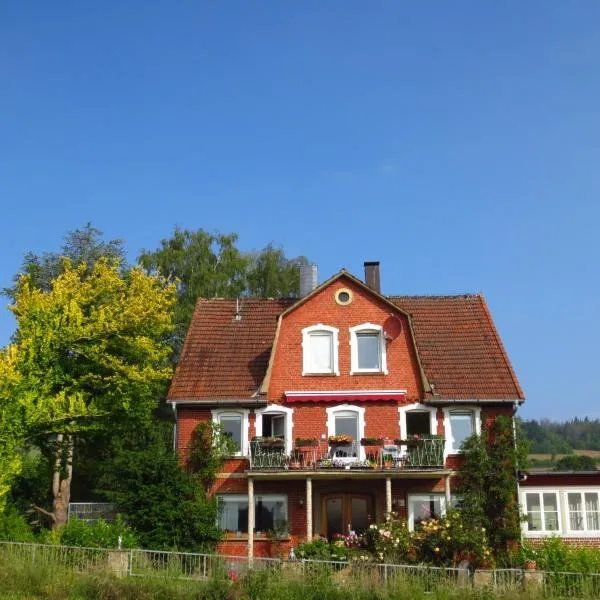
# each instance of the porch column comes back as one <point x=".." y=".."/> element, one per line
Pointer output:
<point x="250" y="518"/>
<point x="309" y="525"/>
<point x="388" y="495"/>
<point x="447" y="489"/>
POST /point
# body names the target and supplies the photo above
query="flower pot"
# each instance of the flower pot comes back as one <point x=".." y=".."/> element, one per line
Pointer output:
<point x="530" y="565"/>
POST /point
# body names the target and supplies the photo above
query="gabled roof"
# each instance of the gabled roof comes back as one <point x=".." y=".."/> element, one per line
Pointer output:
<point x="456" y="341"/>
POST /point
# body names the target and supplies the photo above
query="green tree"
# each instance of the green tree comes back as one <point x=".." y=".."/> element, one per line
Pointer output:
<point x="80" y="246"/>
<point x="272" y="275"/>
<point x="487" y="481"/>
<point x="201" y="264"/>
<point x="89" y="353"/>
<point x="167" y="506"/>
<point x="209" y="265"/>
<point x="576" y="463"/>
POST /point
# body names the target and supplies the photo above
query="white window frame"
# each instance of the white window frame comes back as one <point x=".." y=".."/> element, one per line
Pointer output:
<point x="367" y="328"/>
<point x="238" y="412"/>
<point x="449" y="447"/>
<point x="257" y="497"/>
<point x="359" y="410"/>
<point x="559" y="505"/>
<point x="585" y="532"/>
<point x="306" y="357"/>
<point x="423" y="498"/>
<point x="276" y="409"/>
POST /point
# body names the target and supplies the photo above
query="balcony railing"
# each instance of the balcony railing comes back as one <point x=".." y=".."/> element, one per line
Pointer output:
<point x="426" y="453"/>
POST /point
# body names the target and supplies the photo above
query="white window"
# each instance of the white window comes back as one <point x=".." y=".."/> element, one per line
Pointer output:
<point x="424" y="506"/>
<point x="459" y="424"/>
<point x="542" y="510"/>
<point x="275" y="421"/>
<point x="367" y="349"/>
<point x="583" y="511"/>
<point x="270" y="512"/>
<point x="417" y="419"/>
<point x="320" y="350"/>
<point x="235" y="425"/>
<point x="350" y="420"/>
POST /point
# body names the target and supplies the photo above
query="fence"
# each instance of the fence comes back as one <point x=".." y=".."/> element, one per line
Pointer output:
<point x="189" y="565"/>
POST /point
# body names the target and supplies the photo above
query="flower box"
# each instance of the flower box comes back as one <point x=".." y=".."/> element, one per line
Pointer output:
<point x="269" y="442"/>
<point x="307" y="442"/>
<point x="343" y="438"/>
<point x="370" y="441"/>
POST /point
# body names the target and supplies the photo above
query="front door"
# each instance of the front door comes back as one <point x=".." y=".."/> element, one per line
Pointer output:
<point x="343" y="513"/>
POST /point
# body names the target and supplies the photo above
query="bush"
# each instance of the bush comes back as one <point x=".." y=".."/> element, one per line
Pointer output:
<point x="14" y="526"/>
<point x="98" y="534"/>
<point x="553" y="554"/>
<point x="390" y="542"/>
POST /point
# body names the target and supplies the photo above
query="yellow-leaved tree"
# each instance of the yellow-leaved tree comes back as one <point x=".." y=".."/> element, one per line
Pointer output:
<point x="88" y="353"/>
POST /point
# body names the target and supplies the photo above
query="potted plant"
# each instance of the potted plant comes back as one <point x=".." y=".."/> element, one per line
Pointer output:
<point x="269" y="442"/>
<point x="296" y="459"/>
<point x="388" y="461"/>
<point x="530" y="565"/>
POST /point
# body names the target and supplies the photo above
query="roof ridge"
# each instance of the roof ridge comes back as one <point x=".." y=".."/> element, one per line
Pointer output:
<point x="441" y="296"/>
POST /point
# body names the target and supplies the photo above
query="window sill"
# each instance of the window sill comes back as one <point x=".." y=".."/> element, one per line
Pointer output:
<point x="320" y="374"/>
<point x="368" y="372"/>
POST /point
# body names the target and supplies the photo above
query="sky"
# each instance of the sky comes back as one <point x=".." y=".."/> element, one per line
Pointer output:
<point x="456" y="142"/>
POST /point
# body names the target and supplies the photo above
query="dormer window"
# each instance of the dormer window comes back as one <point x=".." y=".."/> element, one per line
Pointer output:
<point x="368" y="351"/>
<point x="320" y="350"/>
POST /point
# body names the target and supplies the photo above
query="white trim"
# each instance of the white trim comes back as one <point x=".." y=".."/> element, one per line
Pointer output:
<point x="417" y="407"/>
<point x="345" y="393"/>
<point x="239" y="412"/>
<point x="564" y="522"/>
<point x="306" y="332"/>
<point x="367" y="328"/>
<point x="423" y="498"/>
<point x="559" y="508"/>
<point x="360" y="410"/>
<point x="274" y="409"/>
<point x="449" y="445"/>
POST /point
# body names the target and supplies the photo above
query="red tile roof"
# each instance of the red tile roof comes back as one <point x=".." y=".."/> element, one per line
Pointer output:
<point x="459" y="348"/>
<point x="457" y="344"/>
<point x="223" y="358"/>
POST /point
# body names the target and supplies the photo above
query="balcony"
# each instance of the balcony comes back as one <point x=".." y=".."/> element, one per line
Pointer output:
<point x="425" y="452"/>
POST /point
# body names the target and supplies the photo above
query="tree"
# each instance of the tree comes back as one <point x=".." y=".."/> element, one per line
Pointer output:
<point x="81" y="246"/>
<point x="209" y="265"/>
<point x="576" y="462"/>
<point x="88" y="353"/>
<point x="201" y="264"/>
<point x="272" y="275"/>
<point x="487" y="481"/>
<point x="168" y="507"/>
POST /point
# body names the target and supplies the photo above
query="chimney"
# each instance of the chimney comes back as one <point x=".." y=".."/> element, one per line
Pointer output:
<point x="372" y="276"/>
<point x="308" y="279"/>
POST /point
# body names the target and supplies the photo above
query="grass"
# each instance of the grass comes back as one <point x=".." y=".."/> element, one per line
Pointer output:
<point x="20" y="579"/>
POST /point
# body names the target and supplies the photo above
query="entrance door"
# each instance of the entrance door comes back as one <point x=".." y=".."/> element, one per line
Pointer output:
<point x="342" y="513"/>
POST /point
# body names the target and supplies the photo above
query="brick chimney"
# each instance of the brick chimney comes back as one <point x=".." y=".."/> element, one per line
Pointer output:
<point x="372" y="276"/>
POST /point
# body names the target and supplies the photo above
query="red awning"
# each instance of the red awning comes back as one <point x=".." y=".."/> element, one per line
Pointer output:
<point x="347" y="396"/>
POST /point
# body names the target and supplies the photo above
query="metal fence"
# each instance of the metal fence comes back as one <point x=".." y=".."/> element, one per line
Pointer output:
<point x="92" y="511"/>
<point x="197" y="566"/>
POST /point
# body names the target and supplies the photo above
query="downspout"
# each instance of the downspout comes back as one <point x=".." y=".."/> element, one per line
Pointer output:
<point x="174" y="407"/>
<point x="514" y="427"/>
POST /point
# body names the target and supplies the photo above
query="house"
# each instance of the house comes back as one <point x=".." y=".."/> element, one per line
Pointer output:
<point x="345" y="404"/>
<point x="564" y="504"/>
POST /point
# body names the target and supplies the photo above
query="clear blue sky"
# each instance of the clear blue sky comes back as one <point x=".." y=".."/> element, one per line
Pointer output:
<point x="456" y="142"/>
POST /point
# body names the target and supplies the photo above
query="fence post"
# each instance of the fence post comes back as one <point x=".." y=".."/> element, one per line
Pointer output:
<point x="33" y="556"/>
<point x="130" y="566"/>
<point x="204" y="568"/>
<point x="385" y="575"/>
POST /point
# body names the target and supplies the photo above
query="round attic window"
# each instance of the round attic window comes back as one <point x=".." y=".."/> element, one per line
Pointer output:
<point x="343" y="296"/>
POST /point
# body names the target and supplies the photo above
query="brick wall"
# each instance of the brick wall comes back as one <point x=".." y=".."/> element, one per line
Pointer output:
<point x="322" y="308"/>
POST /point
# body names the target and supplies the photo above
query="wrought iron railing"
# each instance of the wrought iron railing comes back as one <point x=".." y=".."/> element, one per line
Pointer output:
<point x="425" y="453"/>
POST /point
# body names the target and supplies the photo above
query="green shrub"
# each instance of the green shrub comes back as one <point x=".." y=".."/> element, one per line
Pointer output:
<point x="14" y="526"/>
<point x="98" y="534"/>
<point x="553" y="554"/>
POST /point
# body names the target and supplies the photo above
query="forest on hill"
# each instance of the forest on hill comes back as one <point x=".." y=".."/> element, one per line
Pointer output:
<point x="553" y="437"/>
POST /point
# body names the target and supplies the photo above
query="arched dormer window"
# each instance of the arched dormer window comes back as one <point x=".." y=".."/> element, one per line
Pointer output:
<point x="320" y="350"/>
<point x="367" y="349"/>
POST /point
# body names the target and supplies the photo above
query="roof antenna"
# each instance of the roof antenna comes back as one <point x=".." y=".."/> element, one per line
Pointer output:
<point x="238" y="312"/>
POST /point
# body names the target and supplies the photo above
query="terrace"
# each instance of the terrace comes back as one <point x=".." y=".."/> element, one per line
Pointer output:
<point x="417" y="453"/>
